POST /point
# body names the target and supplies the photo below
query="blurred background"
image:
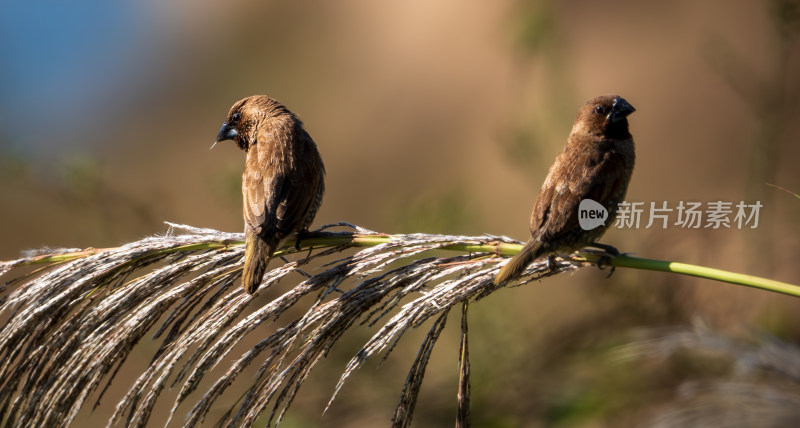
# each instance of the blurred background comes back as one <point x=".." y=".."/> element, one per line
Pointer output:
<point x="431" y="117"/>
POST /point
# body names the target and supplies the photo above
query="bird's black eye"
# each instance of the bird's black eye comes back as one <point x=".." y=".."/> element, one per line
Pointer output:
<point x="600" y="111"/>
<point x="236" y="117"/>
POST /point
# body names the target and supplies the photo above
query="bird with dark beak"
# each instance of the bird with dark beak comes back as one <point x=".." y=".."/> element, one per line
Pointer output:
<point x="596" y="164"/>
<point x="283" y="179"/>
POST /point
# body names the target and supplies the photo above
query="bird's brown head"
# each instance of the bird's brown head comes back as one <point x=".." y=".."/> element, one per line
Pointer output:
<point x="244" y="118"/>
<point x="604" y="116"/>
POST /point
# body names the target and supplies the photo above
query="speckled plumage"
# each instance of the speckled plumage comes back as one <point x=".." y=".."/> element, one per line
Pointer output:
<point x="283" y="179"/>
<point x="597" y="164"/>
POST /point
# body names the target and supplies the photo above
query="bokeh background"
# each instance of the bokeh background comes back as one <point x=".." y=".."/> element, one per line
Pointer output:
<point x="431" y="117"/>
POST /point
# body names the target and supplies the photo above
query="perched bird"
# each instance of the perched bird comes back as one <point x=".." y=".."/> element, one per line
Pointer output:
<point x="596" y="164"/>
<point x="283" y="179"/>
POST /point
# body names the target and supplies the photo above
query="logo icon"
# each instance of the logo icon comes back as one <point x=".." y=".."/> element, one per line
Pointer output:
<point x="591" y="214"/>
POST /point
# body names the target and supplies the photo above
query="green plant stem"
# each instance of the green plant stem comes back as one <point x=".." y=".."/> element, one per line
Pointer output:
<point x="701" y="272"/>
<point x="324" y="239"/>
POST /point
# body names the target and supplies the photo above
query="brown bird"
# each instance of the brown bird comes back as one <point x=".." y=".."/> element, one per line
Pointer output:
<point x="596" y="164"/>
<point x="283" y="179"/>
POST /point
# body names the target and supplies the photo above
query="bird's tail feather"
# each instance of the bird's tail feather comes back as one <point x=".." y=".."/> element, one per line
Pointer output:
<point x="256" y="258"/>
<point x="519" y="262"/>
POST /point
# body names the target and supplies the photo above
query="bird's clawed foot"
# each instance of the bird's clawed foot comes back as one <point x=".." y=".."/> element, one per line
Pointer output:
<point x="551" y="263"/>
<point x="302" y="234"/>
<point x="610" y="252"/>
<point x="613" y="251"/>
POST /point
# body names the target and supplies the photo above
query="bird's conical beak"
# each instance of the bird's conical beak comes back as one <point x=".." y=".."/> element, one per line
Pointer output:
<point x="225" y="133"/>
<point x="620" y="110"/>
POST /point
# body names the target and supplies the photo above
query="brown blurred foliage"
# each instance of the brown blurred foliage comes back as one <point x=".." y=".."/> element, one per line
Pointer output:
<point x="443" y="117"/>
